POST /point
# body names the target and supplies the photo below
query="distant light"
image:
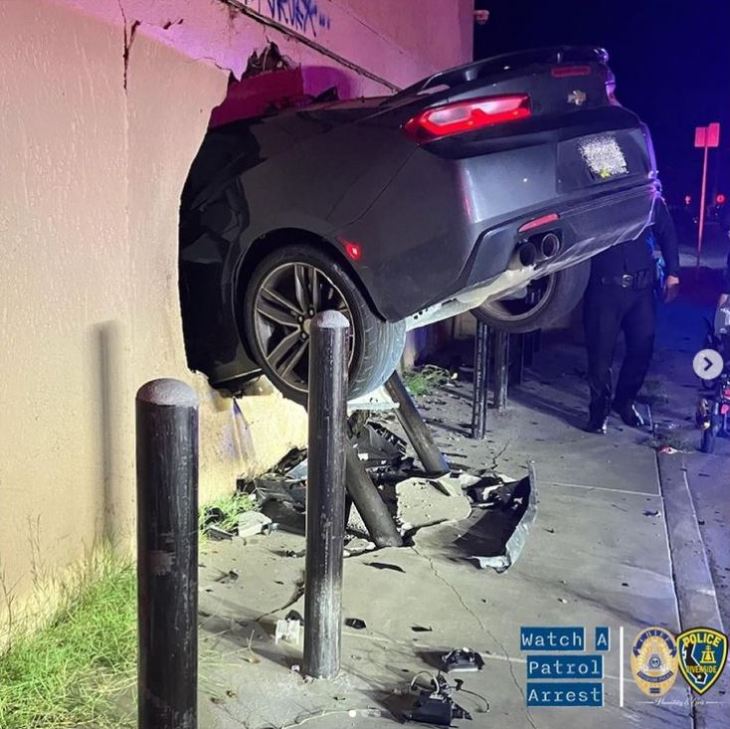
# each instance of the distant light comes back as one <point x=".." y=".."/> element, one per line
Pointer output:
<point x="688" y="199"/>
<point x="720" y="198"/>
<point x="353" y="251"/>
<point x="481" y="17"/>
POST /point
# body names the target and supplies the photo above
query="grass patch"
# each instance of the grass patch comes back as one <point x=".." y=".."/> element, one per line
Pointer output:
<point x="423" y="380"/>
<point x="79" y="671"/>
<point x="72" y="673"/>
<point x="224" y="511"/>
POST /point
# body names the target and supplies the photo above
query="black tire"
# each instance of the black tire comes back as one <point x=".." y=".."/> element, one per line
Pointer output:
<point x="555" y="295"/>
<point x="376" y="344"/>
<point x="709" y="435"/>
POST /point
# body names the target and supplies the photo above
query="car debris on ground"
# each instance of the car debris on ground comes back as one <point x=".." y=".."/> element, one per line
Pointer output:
<point x="436" y="706"/>
<point x="462" y="659"/>
<point x="502" y="508"/>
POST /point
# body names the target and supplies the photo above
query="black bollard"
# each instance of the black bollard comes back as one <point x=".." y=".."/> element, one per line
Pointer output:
<point x="530" y="339"/>
<point x="327" y="406"/>
<point x="417" y="431"/>
<point x="366" y="497"/>
<point x="528" y="349"/>
<point x="517" y="363"/>
<point x="167" y="554"/>
<point x="501" y="369"/>
<point x="480" y="396"/>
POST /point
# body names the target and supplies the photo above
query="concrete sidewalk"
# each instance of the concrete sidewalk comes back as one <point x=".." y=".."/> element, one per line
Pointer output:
<point x="597" y="555"/>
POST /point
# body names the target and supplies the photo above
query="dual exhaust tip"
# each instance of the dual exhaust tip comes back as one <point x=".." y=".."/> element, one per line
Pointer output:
<point x="538" y="249"/>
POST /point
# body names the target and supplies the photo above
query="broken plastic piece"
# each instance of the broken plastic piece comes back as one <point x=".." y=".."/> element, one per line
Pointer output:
<point x="385" y="566"/>
<point x="421" y="629"/>
<point x="463" y="659"/>
<point x="217" y="533"/>
<point x="355" y="623"/>
<point x="251" y="523"/>
<point x="500" y="564"/>
<point x="289" y="631"/>
<point x="436" y="709"/>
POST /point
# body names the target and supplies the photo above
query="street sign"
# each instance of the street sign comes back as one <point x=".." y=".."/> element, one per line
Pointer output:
<point x="706" y="138"/>
<point x="713" y="135"/>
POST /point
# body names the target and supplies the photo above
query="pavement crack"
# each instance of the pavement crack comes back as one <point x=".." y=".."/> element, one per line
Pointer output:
<point x="298" y="593"/>
<point x="481" y="624"/>
<point x="494" y="466"/>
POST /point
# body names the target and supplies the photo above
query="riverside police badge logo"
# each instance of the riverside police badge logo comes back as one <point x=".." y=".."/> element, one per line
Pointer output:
<point x="702" y="657"/>
<point x="654" y="661"/>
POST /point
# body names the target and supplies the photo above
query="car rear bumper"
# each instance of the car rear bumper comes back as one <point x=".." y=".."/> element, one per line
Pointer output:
<point x="585" y="227"/>
<point x="444" y="262"/>
<point x="446" y="225"/>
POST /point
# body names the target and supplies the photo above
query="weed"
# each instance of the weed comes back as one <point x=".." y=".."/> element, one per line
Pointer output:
<point x="425" y="379"/>
<point x="224" y="511"/>
<point x="72" y="672"/>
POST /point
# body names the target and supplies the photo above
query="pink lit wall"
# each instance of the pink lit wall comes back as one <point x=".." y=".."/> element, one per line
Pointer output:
<point x="104" y="104"/>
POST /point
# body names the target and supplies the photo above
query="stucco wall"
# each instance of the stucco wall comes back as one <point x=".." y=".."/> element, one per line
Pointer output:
<point x="103" y="107"/>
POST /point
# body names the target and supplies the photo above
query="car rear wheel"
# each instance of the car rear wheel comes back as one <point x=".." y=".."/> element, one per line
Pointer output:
<point x="286" y="290"/>
<point x="540" y="304"/>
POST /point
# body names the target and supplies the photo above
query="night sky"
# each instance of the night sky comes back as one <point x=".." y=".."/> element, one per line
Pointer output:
<point x="671" y="59"/>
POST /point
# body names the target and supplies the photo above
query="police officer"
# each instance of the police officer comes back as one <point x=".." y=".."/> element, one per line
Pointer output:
<point x="620" y="296"/>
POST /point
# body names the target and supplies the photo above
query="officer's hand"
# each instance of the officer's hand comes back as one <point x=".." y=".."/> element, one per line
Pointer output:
<point x="671" y="288"/>
<point x="724" y="298"/>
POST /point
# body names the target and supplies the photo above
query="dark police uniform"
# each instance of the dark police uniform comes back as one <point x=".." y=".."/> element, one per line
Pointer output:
<point x="620" y="296"/>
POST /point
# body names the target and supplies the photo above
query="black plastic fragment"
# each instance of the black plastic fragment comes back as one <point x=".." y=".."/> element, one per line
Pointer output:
<point x="385" y="566"/>
<point x="355" y="623"/>
<point x="436" y="709"/>
<point x="462" y="659"/>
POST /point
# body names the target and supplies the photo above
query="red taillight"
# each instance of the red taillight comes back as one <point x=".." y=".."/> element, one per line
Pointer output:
<point x="537" y="222"/>
<point x="467" y="116"/>
<point x="353" y="250"/>
<point x="567" y="71"/>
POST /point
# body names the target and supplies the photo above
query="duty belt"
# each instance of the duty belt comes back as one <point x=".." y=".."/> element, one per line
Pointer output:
<point x="639" y="280"/>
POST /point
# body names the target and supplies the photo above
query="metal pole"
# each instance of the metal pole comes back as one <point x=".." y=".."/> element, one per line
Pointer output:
<point x="537" y="339"/>
<point x="327" y="406"/>
<point x="501" y="369"/>
<point x="167" y="554"/>
<point x="517" y="366"/>
<point x="480" y="397"/>
<point x="369" y="503"/>
<point x="426" y="449"/>
<point x="700" y="232"/>
<point x="529" y="349"/>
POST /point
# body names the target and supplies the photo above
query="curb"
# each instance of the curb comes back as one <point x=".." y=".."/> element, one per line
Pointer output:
<point x="694" y="587"/>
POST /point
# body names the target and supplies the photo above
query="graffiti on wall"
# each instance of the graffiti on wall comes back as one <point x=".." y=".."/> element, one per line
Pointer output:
<point x="301" y="15"/>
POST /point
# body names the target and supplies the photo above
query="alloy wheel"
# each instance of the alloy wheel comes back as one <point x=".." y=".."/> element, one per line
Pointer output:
<point x="285" y="304"/>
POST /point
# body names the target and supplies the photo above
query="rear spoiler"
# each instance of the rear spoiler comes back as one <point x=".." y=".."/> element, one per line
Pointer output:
<point x="507" y="62"/>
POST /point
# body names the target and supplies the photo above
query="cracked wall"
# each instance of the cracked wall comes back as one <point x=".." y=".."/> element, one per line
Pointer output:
<point x="104" y="105"/>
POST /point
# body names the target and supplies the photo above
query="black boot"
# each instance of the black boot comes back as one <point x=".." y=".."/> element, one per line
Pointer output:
<point x="598" y="416"/>
<point x="629" y="414"/>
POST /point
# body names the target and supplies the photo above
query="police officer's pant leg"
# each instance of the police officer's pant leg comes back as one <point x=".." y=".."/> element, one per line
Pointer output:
<point x="602" y="314"/>
<point x="639" y="324"/>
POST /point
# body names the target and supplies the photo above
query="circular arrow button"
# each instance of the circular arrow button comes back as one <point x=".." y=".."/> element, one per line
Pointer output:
<point x="708" y="364"/>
